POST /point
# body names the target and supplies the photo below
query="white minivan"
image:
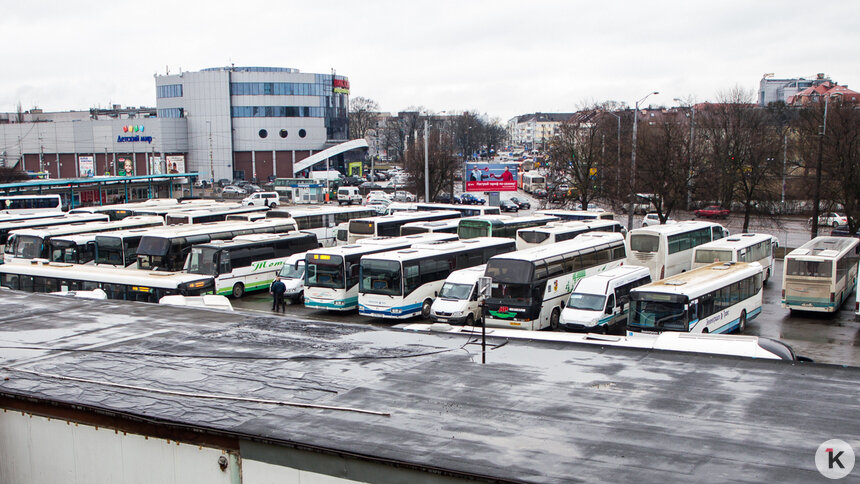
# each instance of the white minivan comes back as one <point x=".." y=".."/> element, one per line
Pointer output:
<point x="599" y="303"/>
<point x="293" y="276"/>
<point x="457" y="302"/>
<point x="348" y="195"/>
<point x="266" y="199"/>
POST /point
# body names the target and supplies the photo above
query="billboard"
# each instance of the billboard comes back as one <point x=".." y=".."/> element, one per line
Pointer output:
<point x="86" y="166"/>
<point x="491" y="177"/>
<point x="176" y="164"/>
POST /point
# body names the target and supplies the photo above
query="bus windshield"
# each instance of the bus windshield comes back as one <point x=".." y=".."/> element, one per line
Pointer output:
<point x="28" y="246"/>
<point x="325" y="271"/>
<point x="109" y="250"/>
<point x="470" y="229"/>
<point x="586" y="302"/>
<point x="709" y="256"/>
<point x="809" y="268"/>
<point x="202" y="261"/>
<point x="658" y="315"/>
<point x="456" y="291"/>
<point x="644" y="243"/>
<point x="361" y="227"/>
<point x="507" y="270"/>
<point x="380" y="277"/>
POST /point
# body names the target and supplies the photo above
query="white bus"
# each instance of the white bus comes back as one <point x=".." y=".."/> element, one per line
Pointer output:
<point x="322" y="221"/>
<point x="120" y="211"/>
<point x="530" y="286"/>
<point x="165" y="249"/>
<point x="7" y="227"/>
<point x="738" y="248"/>
<point x="209" y="214"/>
<point x="717" y="298"/>
<point x="820" y="274"/>
<point x="560" y="231"/>
<point x="331" y="274"/>
<point x="31" y="203"/>
<point x="574" y="215"/>
<point x="465" y="210"/>
<point x="667" y="250"/>
<point x="34" y="243"/>
<point x="403" y="283"/>
<point x="389" y="225"/>
<point x="500" y="225"/>
<point x="248" y="262"/>
<point x="532" y="182"/>
<point x="126" y="284"/>
<point x="22" y="216"/>
<point x="444" y="226"/>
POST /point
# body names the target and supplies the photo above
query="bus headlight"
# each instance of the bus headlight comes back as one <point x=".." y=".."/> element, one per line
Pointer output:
<point x="395" y="311"/>
<point x="338" y="303"/>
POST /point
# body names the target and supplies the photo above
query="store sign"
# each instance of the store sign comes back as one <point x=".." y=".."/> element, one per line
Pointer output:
<point x="132" y="139"/>
<point x="340" y="86"/>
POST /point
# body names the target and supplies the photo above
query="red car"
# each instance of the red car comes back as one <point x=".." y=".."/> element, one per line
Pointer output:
<point x="712" y="211"/>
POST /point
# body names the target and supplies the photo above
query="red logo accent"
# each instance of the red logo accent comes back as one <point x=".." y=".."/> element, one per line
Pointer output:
<point x="503" y="309"/>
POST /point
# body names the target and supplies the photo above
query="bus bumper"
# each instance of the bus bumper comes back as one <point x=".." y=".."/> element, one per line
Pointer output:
<point x="403" y="312"/>
<point x="331" y="305"/>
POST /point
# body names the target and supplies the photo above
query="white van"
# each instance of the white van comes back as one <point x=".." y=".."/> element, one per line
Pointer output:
<point x="600" y="302"/>
<point x="348" y="195"/>
<point x="292" y="274"/>
<point x="266" y="199"/>
<point x="457" y="302"/>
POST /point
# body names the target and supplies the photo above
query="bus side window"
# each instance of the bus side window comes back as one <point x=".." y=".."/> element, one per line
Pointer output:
<point x="224" y="265"/>
<point x="693" y="312"/>
<point x="610" y="304"/>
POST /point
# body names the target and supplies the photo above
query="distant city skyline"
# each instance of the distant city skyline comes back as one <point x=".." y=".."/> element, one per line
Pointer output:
<point x="502" y="59"/>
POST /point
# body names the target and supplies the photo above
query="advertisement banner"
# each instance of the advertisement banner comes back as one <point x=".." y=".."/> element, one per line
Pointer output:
<point x="156" y="165"/>
<point x="124" y="166"/>
<point x="86" y="166"/>
<point x="176" y="164"/>
<point x="491" y="177"/>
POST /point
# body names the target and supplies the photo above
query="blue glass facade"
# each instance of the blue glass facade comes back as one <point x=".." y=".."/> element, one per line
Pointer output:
<point x="276" y="89"/>
<point x="277" y="112"/>
<point x="170" y="113"/>
<point x="169" y="90"/>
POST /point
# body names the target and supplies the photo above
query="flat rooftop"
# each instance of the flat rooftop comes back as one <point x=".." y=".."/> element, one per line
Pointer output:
<point x="537" y="411"/>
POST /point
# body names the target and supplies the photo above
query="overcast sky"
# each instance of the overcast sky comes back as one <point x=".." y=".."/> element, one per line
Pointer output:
<point x="501" y="58"/>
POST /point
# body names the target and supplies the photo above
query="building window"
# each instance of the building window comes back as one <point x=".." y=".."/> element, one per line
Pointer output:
<point x="171" y="113"/>
<point x="169" y="90"/>
<point x="302" y="133"/>
<point x="278" y="112"/>
<point x="283" y="133"/>
<point x="263" y="133"/>
<point x="276" y="89"/>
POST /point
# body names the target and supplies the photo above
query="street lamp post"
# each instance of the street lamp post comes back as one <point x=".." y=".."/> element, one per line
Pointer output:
<point x="633" y="162"/>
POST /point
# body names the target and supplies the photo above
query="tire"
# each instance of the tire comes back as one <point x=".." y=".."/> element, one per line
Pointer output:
<point x="742" y="326"/>
<point x="470" y="320"/>
<point x="238" y="290"/>
<point x="766" y="276"/>
<point x="425" y="308"/>
<point x="553" y="319"/>
<point x="300" y="299"/>
<point x="835" y="224"/>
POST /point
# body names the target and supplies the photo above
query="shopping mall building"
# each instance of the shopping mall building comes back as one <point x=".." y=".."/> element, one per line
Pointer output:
<point x="223" y="122"/>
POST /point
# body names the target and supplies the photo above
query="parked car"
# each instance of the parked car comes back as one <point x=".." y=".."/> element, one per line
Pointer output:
<point x="233" y="190"/>
<point x="251" y="188"/>
<point x="223" y="182"/>
<point x="469" y="199"/>
<point x="592" y="207"/>
<point x="712" y="211"/>
<point x="522" y="203"/>
<point x="352" y="181"/>
<point x="654" y="219"/>
<point x="401" y="196"/>
<point x="377" y="194"/>
<point x="380" y="205"/>
<point x="267" y="199"/>
<point x="539" y="193"/>
<point x="508" y="206"/>
<point x="446" y="198"/>
<point x="842" y="231"/>
<point x="832" y="219"/>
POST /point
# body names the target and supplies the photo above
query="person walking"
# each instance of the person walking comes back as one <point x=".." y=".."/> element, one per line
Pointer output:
<point x="277" y="291"/>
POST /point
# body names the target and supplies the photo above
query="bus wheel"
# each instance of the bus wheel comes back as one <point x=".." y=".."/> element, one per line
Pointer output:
<point x="470" y="320"/>
<point x="553" y="319"/>
<point x="238" y="290"/>
<point x="300" y="299"/>
<point x="425" y="308"/>
<point x="767" y="275"/>
<point x="742" y="326"/>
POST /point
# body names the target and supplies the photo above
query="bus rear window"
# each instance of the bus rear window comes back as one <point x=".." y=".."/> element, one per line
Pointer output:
<point x="533" y="237"/>
<point x="809" y="268"/>
<point x="511" y="271"/>
<point x="644" y="243"/>
<point x="361" y="227"/>
<point x="710" y="256"/>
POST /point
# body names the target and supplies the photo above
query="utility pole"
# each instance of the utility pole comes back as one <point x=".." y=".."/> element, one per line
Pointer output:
<point x="211" y="157"/>
<point x="426" y="164"/>
<point x="632" y="206"/>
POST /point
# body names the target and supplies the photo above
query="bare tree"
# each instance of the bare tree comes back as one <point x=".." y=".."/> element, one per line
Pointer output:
<point x="10" y="175"/>
<point x="663" y="166"/>
<point x="575" y="156"/>
<point x="442" y="164"/>
<point x="363" y="113"/>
